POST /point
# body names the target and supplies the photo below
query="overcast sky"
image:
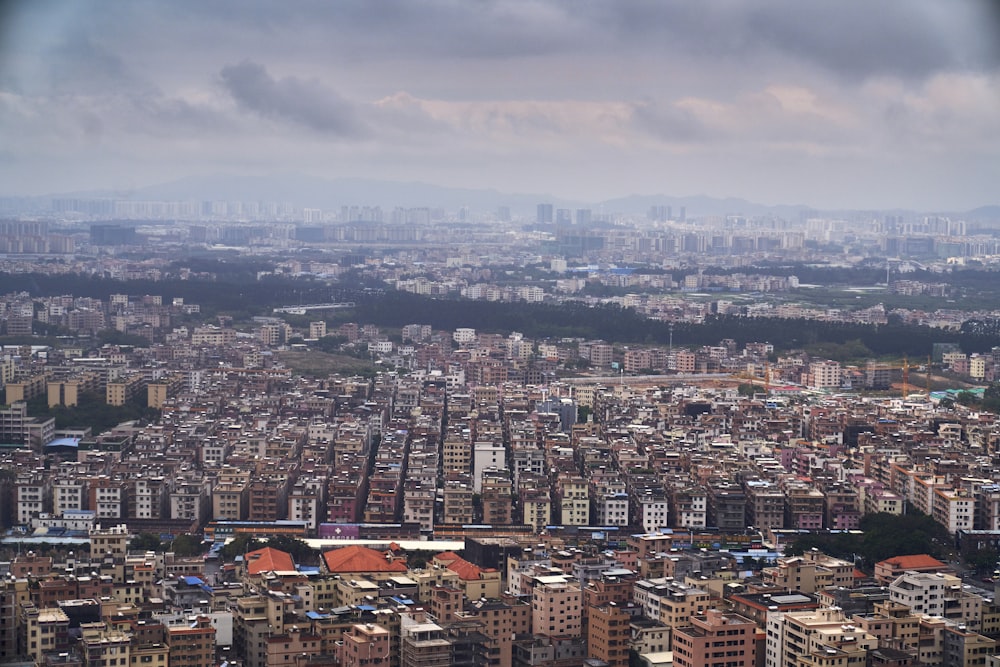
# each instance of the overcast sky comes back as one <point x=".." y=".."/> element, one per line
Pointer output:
<point x="832" y="103"/>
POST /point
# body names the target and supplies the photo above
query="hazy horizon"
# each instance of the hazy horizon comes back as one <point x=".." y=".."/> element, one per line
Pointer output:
<point x="828" y="104"/>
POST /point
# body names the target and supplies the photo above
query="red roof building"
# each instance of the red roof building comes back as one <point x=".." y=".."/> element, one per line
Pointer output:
<point x="887" y="570"/>
<point x="476" y="582"/>
<point x="268" y="560"/>
<point x="358" y="559"/>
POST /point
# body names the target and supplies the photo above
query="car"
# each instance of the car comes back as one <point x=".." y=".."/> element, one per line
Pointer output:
<point x="988" y="580"/>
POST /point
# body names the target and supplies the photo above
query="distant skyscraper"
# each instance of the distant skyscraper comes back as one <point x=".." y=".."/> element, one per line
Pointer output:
<point x="583" y="216"/>
<point x="503" y="214"/>
<point x="683" y="213"/>
<point x="660" y="213"/>
<point x="564" y="216"/>
<point x="545" y="213"/>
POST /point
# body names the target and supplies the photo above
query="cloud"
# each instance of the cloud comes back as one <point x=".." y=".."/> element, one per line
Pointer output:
<point x="308" y="104"/>
<point x="502" y="92"/>
<point x="671" y="123"/>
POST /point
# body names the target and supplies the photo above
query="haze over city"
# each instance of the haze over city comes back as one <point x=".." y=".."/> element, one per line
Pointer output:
<point x="832" y="105"/>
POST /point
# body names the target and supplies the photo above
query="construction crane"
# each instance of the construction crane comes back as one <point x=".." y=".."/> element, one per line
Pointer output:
<point x="904" y="366"/>
<point x="751" y="378"/>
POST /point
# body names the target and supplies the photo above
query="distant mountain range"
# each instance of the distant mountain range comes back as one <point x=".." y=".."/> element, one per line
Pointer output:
<point x="308" y="191"/>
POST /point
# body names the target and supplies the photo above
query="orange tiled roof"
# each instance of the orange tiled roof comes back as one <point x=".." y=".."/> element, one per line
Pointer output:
<point x="913" y="562"/>
<point x="356" y="558"/>
<point x="269" y="560"/>
<point x="465" y="570"/>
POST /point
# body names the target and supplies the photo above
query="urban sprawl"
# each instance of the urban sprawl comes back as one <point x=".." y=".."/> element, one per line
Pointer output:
<point x="246" y="433"/>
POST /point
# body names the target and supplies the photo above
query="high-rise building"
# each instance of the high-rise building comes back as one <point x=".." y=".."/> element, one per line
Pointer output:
<point x="544" y="214"/>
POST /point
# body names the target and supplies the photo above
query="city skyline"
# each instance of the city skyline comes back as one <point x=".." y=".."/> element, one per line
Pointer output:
<point x="828" y="105"/>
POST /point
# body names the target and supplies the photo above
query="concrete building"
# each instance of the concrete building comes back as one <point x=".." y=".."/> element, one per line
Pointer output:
<point x="422" y="643"/>
<point x="486" y="456"/>
<point x="809" y="573"/>
<point x="573" y="501"/>
<point x="365" y="644"/>
<point x="937" y="594"/>
<point x="765" y="505"/>
<point x="608" y="634"/>
<point x="824" y="637"/>
<point x="192" y="645"/>
<point x="716" y="639"/>
<point x="556" y="608"/>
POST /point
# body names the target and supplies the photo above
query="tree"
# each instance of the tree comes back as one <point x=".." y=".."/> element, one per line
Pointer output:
<point x="301" y="553"/>
<point x="966" y="398"/>
<point x="240" y="545"/>
<point x="187" y="545"/>
<point x="991" y="397"/>
<point x="984" y="560"/>
<point x="883" y="536"/>
<point x="145" y="542"/>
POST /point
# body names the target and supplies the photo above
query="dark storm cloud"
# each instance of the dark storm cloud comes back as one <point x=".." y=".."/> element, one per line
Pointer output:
<point x="81" y="63"/>
<point x="412" y="88"/>
<point x="473" y="28"/>
<point x="306" y="103"/>
<point x="852" y="38"/>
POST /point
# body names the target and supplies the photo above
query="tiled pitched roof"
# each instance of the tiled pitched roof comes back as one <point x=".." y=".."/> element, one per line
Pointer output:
<point x="465" y="570"/>
<point x="913" y="562"/>
<point x="356" y="558"/>
<point x="269" y="560"/>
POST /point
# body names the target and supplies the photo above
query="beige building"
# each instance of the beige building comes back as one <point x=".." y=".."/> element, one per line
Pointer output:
<point x="556" y="608"/>
<point x="317" y="329"/>
<point x="102" y="647"/>
<point x="456" y="453"/>
<point x="671" y="602"/>
<point x="365" y="644"/>
<point x="231" y="501"/>
<point x="119" y="392"/>
<point x="458" y="506"/>
<point x="159" y="391"/>
<point x="818" y="638"/>
<point x="113" y="540"/>
<point x="809" y="573"/>
<point x="537" y="508"/>
<point x="574" y="501"/>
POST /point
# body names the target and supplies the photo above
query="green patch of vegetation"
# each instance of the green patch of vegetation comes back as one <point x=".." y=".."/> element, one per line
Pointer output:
<point x="852" y="351"/>
<point x="314" y="363"/>
<point x="883" y="536"/>
<point x="300" y="552"/>
<point x="92" y="411"/>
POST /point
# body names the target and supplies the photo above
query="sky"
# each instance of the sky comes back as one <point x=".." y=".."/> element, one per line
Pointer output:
<point x="830" y="103"/>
